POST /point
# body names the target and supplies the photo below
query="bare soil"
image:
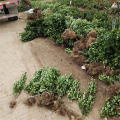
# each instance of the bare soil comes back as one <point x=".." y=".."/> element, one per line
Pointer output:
<point x="17" y="58"/>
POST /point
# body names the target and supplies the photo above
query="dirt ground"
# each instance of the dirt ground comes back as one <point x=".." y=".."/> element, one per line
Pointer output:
<point x="17" y="58"/>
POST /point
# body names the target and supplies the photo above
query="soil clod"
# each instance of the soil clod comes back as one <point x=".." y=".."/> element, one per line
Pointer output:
<point x="47" y="100"/>
<point x="81" y="45"/>
<point x="29" y="101"/>
<point x="113" y="89"/>
<point x="69" y="35"/>
<point x="35" y="15"/>
<point x="12" y="104"/>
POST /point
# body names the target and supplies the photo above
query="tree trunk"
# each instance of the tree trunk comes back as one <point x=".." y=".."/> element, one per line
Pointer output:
<point x="114" y="21"/>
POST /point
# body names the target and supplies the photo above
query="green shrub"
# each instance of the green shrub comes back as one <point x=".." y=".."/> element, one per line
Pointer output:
<point x="55" y="26"/>
<point x="19" y="85"/>
<point x="81" y="27"/>
<point x="69" y="11"/>
<point x="87" y="99"/>
<point x="63" y="84"/>
<point x="110" y="107"/>
<point x="33" y="30"/>
<point x="72" y="93"/>
<point x="105" y="49"/>
<point x="43" y="80"/>
<point x="23" y="6"/>
<point x="60" y="8"/>
<point x="109" y="79"/>
<point x="48" y="79"/>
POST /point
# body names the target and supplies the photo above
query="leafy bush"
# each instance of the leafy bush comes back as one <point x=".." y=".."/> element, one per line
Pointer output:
<point x="23" y="6"/>
<point x="87" y="99"/>
<point x="109" y="79"/>
<point x="19" y="85"/>
<point x="110" y="107"/>
<point x="72" y="93"/>
<point x="55" y="26"/>
<point x="63" y="84"/>
<point x="105" y="49"/>
<point x="33" y="30"/>
<point x="48" y="79"/>
<point x="68" y="11"/>
<point x="43" y="80"/>
<point x="81" y="27"/>
<point x="58" y="7"/>
<point x="38" y="3"/>
<point x="89" y="4"/>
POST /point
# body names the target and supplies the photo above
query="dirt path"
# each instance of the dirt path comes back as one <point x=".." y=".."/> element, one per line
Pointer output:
<point x="17" y="58"/>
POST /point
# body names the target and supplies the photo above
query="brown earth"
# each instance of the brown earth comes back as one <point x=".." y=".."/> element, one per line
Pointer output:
<point x="49" y="101"/>
<point x="69" y="35"/>
<point x="96" y="69"/>
<point x="36" y="14"/>
<point x="113" y="89"/>
<point x="17" y="58"/>
<point x="80" y="45"/>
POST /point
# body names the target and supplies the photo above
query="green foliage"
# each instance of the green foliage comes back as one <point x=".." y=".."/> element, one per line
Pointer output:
<point x="72" y="92"/>
<point x="23" y="6"/>
<point x="103" y="19"/>
<point x="37" y="3"/>
<point x="109" y="79"/>
<point x="105" y="49"/>
<point x="87" y="99"/>
<point x="33" y="30"/>
<point x="19" y="85"/>
<point x="81" y="27"/>
<point x="69" y="11"/>
<point x="48" y="79"/>
<point x="63" y="84"/>
<point x="89" y="4"/>
<point x="110" y="107"/>
<point x="91" y="12"/>
<point x="57" y="7"/>
<point x="68" y="50"/>
<point x="100" y="15"/>
<point x="43" y="80"/>
<point x="55" y="26"/>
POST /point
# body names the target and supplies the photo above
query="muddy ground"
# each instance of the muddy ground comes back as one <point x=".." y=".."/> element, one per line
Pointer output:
<point x="17" y="58"/>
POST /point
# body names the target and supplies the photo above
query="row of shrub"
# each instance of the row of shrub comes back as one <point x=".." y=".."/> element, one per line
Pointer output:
<point x="89" y="4"/>
<point x="106" y="47"/>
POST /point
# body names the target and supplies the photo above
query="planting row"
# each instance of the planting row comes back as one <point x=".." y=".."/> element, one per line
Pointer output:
<point x="65" y="29"/>
<point x="49" y="80"/>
